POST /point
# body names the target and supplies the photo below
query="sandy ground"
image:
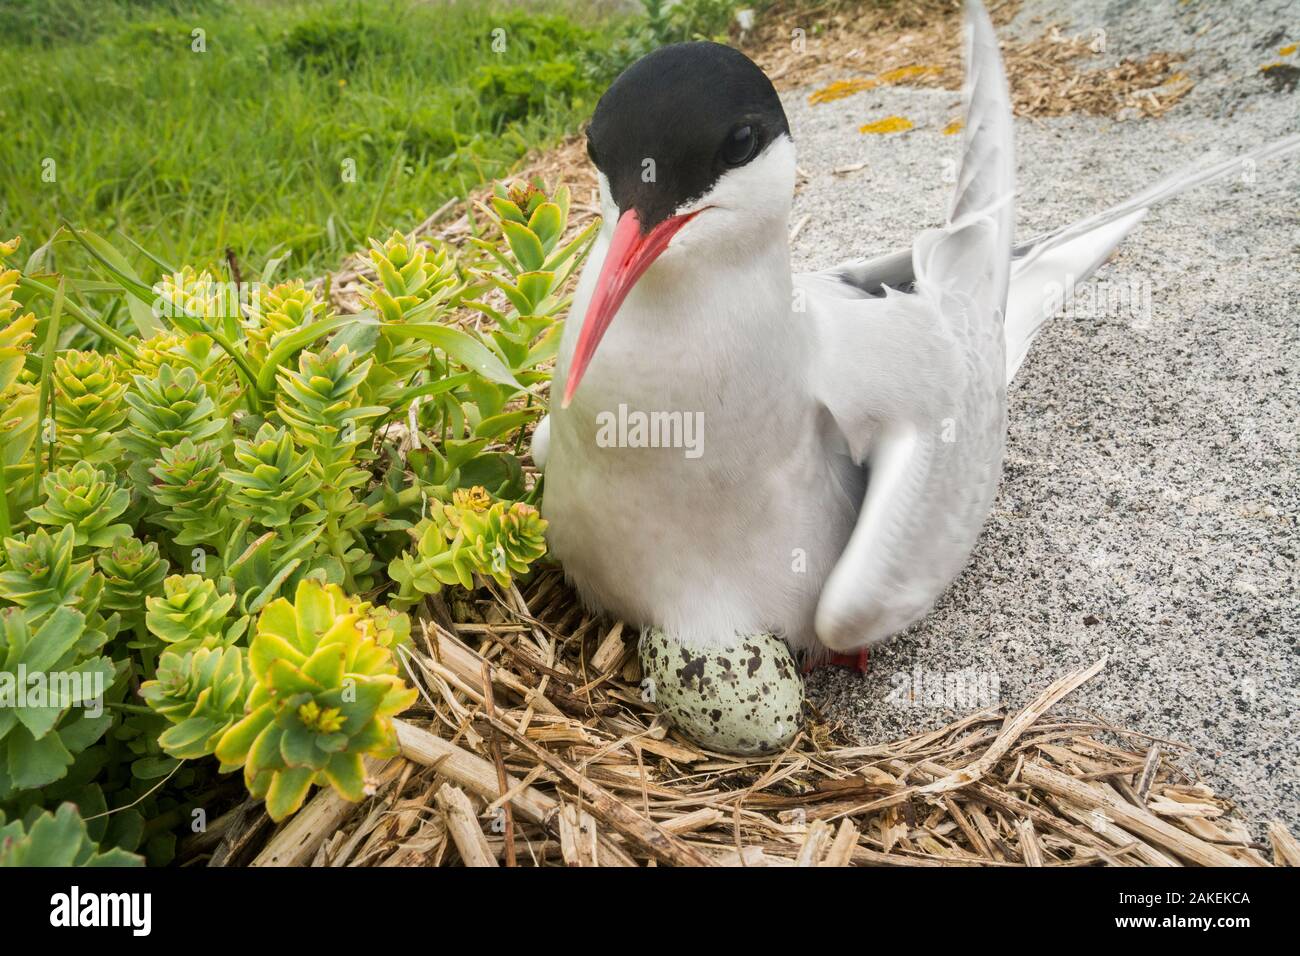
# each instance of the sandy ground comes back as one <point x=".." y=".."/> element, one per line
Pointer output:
<point x="1149" y="505"/>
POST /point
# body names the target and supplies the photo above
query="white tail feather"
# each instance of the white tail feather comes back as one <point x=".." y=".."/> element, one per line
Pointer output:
<point x="1048" y="264"/>
<point x="1038" y="284"/>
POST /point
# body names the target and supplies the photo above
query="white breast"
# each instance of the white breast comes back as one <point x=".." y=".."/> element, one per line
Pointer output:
<point x="733" y="527"/>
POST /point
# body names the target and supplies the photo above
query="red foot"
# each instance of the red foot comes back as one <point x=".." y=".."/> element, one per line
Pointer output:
<point x="856" y="662"/>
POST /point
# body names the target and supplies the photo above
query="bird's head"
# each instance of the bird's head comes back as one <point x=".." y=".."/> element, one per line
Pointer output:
<point x="695" y="162"/>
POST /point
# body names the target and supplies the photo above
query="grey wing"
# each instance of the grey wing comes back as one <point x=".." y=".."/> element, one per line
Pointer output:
<point x="1044" y="266"/>
<point x="929" y="418"/>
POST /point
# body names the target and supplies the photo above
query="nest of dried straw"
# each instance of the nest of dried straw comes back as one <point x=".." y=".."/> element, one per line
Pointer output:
<point x="532" y="746"/>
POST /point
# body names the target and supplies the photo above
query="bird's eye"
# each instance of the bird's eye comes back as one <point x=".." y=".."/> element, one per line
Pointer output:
<point x="740" y="147"/>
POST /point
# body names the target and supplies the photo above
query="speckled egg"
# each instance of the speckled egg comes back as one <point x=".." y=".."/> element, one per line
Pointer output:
<point x="746" y="700"/>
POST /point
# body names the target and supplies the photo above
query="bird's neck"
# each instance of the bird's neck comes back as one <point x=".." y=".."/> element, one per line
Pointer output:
<point x="737" y="294"/>
<point x="719" y="342"/>
<point x="703" y="308"/>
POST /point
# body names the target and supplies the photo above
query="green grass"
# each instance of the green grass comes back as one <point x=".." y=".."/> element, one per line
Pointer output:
<point x="250" y="143"/>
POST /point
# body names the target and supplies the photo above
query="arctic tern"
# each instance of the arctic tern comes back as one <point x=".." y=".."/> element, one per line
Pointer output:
<point x="854" y="419"/>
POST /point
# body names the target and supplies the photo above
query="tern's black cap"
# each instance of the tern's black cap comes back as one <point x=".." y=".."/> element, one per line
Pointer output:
<point x="676" y="120"/>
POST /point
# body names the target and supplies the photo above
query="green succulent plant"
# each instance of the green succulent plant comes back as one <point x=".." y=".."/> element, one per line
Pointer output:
<point x="18" y="421"/>
<point x="505" y="539"/>
<point x="324" y="695"/>
<point x="190" y="613"/>
<point x="16" y="334"/>
<point x="415" y="280"/>
<point x="537" y="262"/>
<point x="190" y="293"/>
<point x="167" y="410"/>
<point x="18" y="399"/>
<point x="88" y="407"/>
<point x="529" y="267"/>
<point x="273" y="481"/>
<point x="435" y="562"/>
<point x="151" y="354"/>
<point x="269" y="563"/>
<point x="471" y="535"/>
<point x="56" y="839"/>
<point x="201" y="693"/>
<point x="16" y="324"/>
<point x="280" y="450"/>
<point x="52" y="681"/>
<point x="88" y="501"/>
<point x="192" y="350"/>
<point x="388" y="627"/>
<point x="409" y="274"/>
<point x="321" y="404"/>
<point x="18" y="394"/>
<point x="463" y="464"/>
<point x="133" y="571"/>
<point x="189" y="488"/>
<point x="40" y="575"/>
<point x="283" y="308"/>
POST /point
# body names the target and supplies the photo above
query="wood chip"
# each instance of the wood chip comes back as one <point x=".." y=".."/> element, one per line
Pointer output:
<point x="1157" y="831"/>
<point x="1030" y="851"/>
<point x="462" y="824"/>
<point x="609" y="654"/>
<point x="1286" y="852"/>
<point x="841" y="851"/>
<point x="577" y="837"/>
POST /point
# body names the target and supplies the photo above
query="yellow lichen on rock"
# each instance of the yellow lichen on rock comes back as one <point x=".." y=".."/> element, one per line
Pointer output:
<point x="840" y="89"/>
<point x="890" y="124"/>
<point x="903" y="73"/>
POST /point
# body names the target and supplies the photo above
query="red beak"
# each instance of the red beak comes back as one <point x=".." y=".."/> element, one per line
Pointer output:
<point x="630" y="255"/>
